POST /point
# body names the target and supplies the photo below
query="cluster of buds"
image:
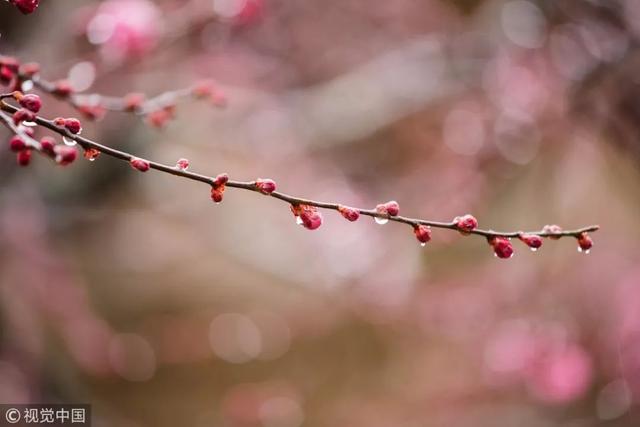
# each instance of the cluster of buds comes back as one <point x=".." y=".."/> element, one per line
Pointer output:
<point x="307" y="216"/>
<point x="62" y="154"/>
<point x="387" y="210"/>
<point x="218" y="186"/>
<point x="350" y="214"/>
<point x="25" y="6"/>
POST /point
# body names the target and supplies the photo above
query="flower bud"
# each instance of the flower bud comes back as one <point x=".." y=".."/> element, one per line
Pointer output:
<point x="133" y="101"/>
<point x="501" y="247"/>
<point x="585" y="243"/>
<point x="73" y="125"/>
<point x="423" y="233"/>
<point x="182" y="164"/>
<point x="266" y="185"/>
<point x="17" y="144"/>
<point x="390" y="208"/>
<point x="23" y="115"/>
<point x="26" y="6"/>
<point x="466" y="223"/>
<point x="140" y="164"/>
<point x="551" y="230"/>
<point x="350" y="214"/>
<point x="47" y="144"/>
<point x="24" y="157"/>
<point x="62" y="88"/>
<point x="532" y="240"/>
<point x="30" y="69"/>
<point x="307" y="216"/>
<point x="65" y="155"/>
<point x="218" y="187"/>
<point x="91" y="154"/>
<point x="30" y="101"/>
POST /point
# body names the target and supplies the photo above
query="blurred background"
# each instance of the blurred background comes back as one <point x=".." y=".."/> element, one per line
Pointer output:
<point x="135" y="293"/>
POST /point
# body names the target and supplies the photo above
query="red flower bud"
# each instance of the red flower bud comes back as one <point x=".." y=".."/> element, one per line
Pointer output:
<point x="552" y="229"/>
<point x="203" y="89"/>
<point x="47" y="145"/>
<point x="350" y="214"/>
<point x="10" y="62"/>
<point x="30" y="101"/>
<point x="265" y="186"/>
<point x="62" y="88"/>
<point x="92" y="112"/>
<point x="26" y="6"/>
<point x="73" y="125"/>
<point x="502" y="247"/>
<point x="133" y="101"/>
<point x="91" y="154"/>
<point x="23" y="115"/>
<point x="221" y="179"/>
<point x="58" y="121"/>
<point x="159" y="118"/>
<point x="423" y="233"/>
<point x="532" y="240"/>
<point x="584" y="242"/>
<point x="307" y="216"/>
<point x="390" y="208"/>
<point x="17" y="144"/>
<point x="6" y="75"/>
<point x="217" y="193"/>
<point x="24" y="157"/>
<point x="465" y="223"/>
<point x="139" y="164"/>
<point x="64" y="154"/>
<point x="182" y="164"/>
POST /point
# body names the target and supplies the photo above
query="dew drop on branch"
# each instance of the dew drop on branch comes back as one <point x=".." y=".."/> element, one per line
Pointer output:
<point x="68" y="141"/>
<point x="381" y="221"/>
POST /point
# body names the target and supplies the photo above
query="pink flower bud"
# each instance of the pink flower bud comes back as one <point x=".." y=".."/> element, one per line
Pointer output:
<point x="585" y="242"/>
<point x="24" y="157"/>
<point x="30" y="101"/>
<point x="552" y="229"/>
<point x="160" y="118"/>
<point x="91" y="154"/>
<point x="26" y="6"/>
<point x="350" y="214"/>
<point x="47" y="145"/>
<point x="423" y="233"/>
<point x="221" y="179"/>
<point x="308" y="216"/>
<point x="92" y="112"/>
<point x="203" y="89"/>
<point x="182" y="164"/>
<point x="465" y="223"/>
<point x="532" y="240"/>
<point x="17" y="144"/>
<point x="217" y="193"/>
<point x="65" y="155"/>
<point x="140" y="164"/>
<point x="23" y="115"/>
<point x="62" y="88"/>
<point x="390" y="208"/>
<point x="73" y="125"/>
<point x="502" y="247"/>
<point x="6" y="75"/>
<point x="59" y="121"/>
<point x="266" y="185"/>
<point x="133" y="101"/>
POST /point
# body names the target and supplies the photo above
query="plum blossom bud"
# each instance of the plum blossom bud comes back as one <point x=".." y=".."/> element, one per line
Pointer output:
<point x="47" y="144"/>
<point x="585" y="243"/>
<point x="203" y="89"/>
<point x="139" y="164"/>
<point x="423" y="233"/>
<point x="532" y="240"/>
<point x="30" y="101"/>
<point x="65" y="155"/>
<point x="160" y="118"/>
<point x="30" y="69"/>
<point x="73" y="125"/>
<point x="62" y="88"/>
<point x="182" y="164"/>
<point x="552" y="229"/>
<point x="133" y="101"/>
<point x="23" y="115"/>
<point x="218" y="186"/>
<point x="23" y="157"/>
<point x="390" y="208"/>
<point x="17" y="144"/>
<point x="26" y="6"/>
<point x="307" y="216"/>
<point x="91" y="154"/>
<point x="501" y="247"/>
<point x="6" y="75"/>
<point x="266" y="185"/>
<point x="92" y="112"/>
<point x="350" y="214"/>
<point x="466" y="223"/>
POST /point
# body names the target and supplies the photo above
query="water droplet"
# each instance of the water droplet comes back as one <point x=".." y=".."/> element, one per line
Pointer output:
<point x="298" y="220"/>
<point x="586" y="252"/>
<point x="423" y="244"/>
<point x="29" y="124"/>
<point x="381" y="221"/>
<point x="68" y="141"/>
<point x="26" y="86"/>
<point x="534" y="249"/>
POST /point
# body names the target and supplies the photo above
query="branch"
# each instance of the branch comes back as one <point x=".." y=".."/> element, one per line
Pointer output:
<point x="306" y="210"/>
